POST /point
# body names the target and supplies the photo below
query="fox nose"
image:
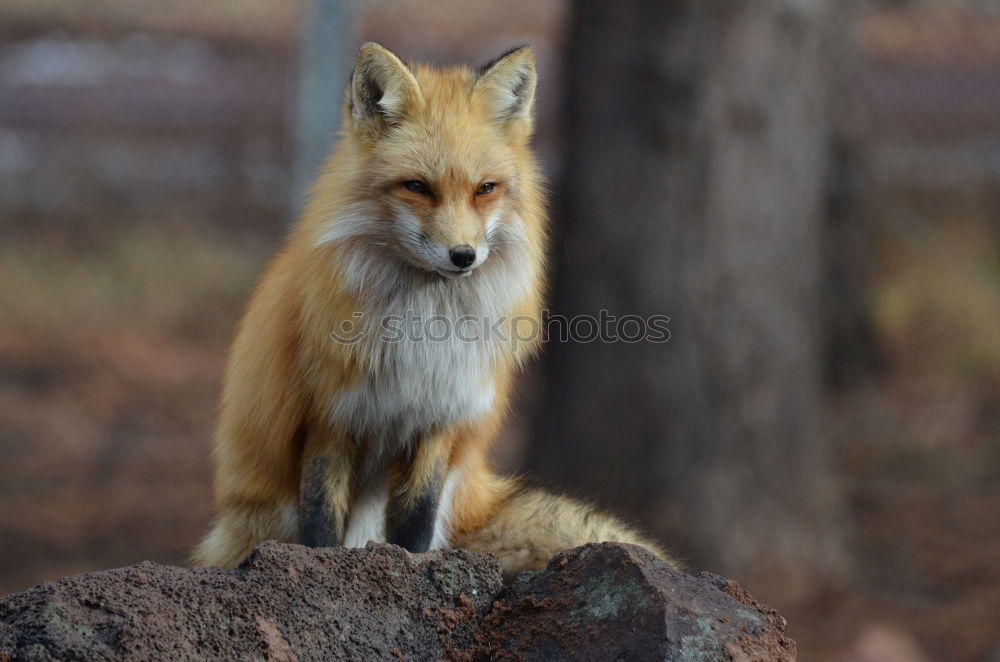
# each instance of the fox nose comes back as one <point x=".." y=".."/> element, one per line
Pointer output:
<point x="462" y="256"/>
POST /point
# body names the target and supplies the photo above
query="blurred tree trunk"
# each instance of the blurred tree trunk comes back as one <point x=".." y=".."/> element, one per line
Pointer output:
<point x="850" y="350"/>
<point x="697" y="143"/>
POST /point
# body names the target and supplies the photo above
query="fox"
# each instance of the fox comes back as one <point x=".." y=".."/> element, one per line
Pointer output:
<point x="333" y="431"/>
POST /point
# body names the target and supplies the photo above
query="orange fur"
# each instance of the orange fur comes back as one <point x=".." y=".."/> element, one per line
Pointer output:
<point x="367" y="234"/>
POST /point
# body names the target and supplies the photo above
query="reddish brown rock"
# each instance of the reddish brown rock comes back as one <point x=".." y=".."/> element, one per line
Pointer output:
<point x="619" y="602"/>
<point x="287" y="602"/>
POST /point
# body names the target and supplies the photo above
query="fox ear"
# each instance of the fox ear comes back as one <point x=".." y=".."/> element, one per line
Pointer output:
<point x="382" y="88"/>
<point x="507" y="84"/>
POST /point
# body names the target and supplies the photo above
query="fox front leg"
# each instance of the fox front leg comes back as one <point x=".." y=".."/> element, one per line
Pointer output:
<point x="415" y="494"/>
<point x="325" y="494"/>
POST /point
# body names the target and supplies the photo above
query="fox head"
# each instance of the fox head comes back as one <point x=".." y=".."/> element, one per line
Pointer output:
<point x="438" y="162"/>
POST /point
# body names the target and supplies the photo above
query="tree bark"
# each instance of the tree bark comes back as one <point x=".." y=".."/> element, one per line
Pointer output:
<point x="697" y="142"/>
<point x="851" y="352"/>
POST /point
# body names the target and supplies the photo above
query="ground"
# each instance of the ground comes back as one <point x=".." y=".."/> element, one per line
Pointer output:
<point x="108" y="410"/>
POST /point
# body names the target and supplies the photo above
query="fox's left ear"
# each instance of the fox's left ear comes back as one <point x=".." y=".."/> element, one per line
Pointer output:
<point x="507" y="85"/>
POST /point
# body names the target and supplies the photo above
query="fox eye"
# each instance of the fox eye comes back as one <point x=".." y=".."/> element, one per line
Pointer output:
<point x="416" y="186"/>
<point x="485" y="188"/>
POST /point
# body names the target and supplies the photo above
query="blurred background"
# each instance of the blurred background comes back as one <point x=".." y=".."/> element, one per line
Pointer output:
<point x="811" y="190"/>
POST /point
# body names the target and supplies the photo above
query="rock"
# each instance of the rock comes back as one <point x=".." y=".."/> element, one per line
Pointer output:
<point x="619" y="602"/>
<point x="287" y="602"/>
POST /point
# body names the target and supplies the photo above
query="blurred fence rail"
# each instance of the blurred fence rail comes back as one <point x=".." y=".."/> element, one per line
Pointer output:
<point x="116" y="108"/>
<point x="121" y="108"/>
<point x="931" y="88"/>
<point x="259" y="21"/>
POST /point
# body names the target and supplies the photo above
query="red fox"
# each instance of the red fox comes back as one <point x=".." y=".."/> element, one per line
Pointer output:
<point x="431" y="208"/>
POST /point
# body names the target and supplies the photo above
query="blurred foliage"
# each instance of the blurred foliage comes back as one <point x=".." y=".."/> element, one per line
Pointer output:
<point x="171" y="277"/>
<point x="937" y="299"/>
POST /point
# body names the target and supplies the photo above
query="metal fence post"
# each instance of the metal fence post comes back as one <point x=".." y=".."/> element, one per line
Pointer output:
<point x="327" y="37"/>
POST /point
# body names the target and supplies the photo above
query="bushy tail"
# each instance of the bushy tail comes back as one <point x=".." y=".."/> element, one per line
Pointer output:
<point x="239" y="528"/>
<point x="530" y="526"/>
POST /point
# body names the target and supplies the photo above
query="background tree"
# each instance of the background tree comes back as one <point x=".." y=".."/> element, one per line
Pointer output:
<point x="697" y="144"/>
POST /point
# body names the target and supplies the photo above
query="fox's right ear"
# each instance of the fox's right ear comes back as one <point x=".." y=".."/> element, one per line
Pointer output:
<point x="382" y="88"/>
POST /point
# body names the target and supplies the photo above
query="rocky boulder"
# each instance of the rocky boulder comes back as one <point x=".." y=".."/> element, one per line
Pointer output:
<point x="287" y="602"/>
<point x="619" y="602"/>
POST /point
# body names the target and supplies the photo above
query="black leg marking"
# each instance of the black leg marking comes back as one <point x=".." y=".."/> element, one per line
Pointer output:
<point x="413" y="528"/>
<point x="318" y="527"/>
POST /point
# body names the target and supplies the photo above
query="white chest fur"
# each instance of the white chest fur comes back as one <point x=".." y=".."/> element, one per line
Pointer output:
<point x="416" y="384"/>
<point x="428" y="354"/>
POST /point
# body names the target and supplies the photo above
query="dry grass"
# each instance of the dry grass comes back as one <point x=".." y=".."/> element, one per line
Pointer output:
<point x="174" y="278"/>
<point x="110" y="361"/>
